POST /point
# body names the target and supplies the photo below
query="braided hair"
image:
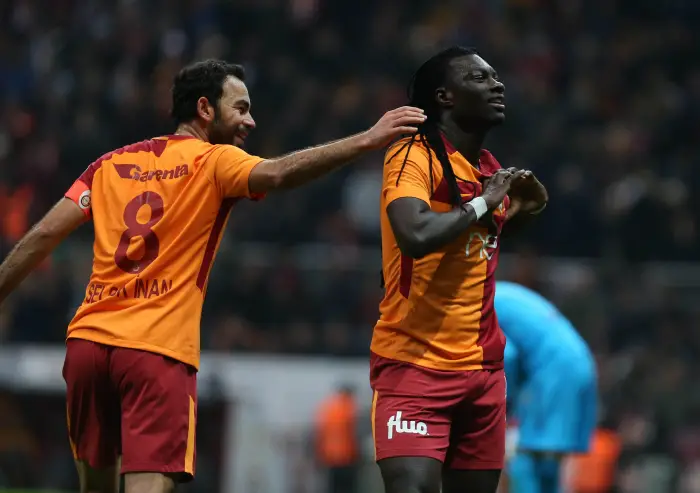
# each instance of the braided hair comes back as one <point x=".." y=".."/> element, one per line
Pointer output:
<point x="421" y="94"/>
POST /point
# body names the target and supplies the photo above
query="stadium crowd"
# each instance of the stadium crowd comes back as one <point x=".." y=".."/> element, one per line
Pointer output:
<point x="603" y="103"/>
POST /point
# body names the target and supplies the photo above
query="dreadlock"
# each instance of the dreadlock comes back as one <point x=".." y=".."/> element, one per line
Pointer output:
<point x="421" y="94"/>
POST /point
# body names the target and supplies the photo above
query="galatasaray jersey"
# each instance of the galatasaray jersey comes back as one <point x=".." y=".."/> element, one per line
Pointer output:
<point x="438" y="311"/>
<point x="159" y="208"/>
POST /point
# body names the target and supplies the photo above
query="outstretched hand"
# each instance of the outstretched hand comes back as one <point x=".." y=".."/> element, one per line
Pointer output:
<point x="394" y="123"/>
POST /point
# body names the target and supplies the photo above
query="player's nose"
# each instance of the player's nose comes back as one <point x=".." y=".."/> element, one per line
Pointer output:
<point x="249" y="122"/>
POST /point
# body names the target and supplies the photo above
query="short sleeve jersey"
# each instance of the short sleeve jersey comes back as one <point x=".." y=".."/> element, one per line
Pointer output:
<point x="437" y="311"/>
<point x="159" y="208"/>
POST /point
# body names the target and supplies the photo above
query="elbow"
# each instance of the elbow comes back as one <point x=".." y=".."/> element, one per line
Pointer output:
<point x="279" y="179"/>
<point x="412" y="247"/>
<point x="267" y="176"/>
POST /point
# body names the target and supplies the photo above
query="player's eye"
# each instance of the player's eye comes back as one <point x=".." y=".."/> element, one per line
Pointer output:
<point x="478" y="76"/>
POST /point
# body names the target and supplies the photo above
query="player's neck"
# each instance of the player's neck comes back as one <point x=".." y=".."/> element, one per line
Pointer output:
<point x="193" y="130"/>
<point x="468" y="144"/>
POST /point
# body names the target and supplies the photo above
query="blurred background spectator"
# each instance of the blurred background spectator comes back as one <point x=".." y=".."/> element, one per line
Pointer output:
<point x="603" y="103"/>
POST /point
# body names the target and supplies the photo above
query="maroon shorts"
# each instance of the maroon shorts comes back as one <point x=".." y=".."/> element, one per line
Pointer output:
<point x="456" y="417"/>
<point x="140" y="405"/>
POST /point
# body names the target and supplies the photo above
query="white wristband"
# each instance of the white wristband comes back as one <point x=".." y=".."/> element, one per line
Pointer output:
<point x="479" y="206"/>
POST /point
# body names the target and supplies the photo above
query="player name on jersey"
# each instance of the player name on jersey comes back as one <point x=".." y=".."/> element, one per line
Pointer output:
<point x="141" y="288"/>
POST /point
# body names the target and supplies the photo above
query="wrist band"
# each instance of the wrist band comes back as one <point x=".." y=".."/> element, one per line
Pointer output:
<point x="479" y="206"/>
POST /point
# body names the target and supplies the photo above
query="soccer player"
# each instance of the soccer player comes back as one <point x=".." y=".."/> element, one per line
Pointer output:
<point x="159" y="207"/>
<point x="438" y="410"/>
<point x="551" y="388"/>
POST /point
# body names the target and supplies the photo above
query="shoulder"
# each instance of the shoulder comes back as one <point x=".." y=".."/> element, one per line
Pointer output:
<point x="96" y="166"/>
<point x="407" y="147"/>
<point x="154" y="146"/>
<point x="226" y="152"/>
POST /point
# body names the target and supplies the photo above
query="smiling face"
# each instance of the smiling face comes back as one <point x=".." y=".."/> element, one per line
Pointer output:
<point x="232" y="120"/>
<point x="473" y="92"/>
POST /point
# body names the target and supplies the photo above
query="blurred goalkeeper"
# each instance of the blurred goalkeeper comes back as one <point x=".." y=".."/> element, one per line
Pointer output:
<point x="551" y="393"/>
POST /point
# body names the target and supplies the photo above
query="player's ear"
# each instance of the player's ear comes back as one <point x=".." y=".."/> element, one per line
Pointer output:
<point x="444" y="97"/>
<point x="205" y="110"/>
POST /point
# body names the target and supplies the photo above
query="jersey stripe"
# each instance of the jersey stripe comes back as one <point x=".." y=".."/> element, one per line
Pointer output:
<point x="405" y="276"/>
<point x="490" y="336"/>
<point x="213" y="241"/>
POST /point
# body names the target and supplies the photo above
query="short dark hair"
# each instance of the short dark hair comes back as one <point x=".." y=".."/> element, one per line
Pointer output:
<point x="200" y="79"/>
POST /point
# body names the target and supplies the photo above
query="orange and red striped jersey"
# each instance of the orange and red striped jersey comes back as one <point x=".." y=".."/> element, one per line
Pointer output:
<point x="159" y="208"/>
<point x="437" y="311"/>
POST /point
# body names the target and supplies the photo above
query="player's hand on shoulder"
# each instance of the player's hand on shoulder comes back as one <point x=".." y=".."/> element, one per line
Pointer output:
<point x="528" y="190"/>
<point x="394" y="123"/>
<point x="496" y="187"/>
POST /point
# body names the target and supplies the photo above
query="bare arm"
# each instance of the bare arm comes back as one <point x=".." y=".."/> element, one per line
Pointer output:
<point x="301" y="167"/>
<point x="38" y="243"/>
<point x="420" y="231"/>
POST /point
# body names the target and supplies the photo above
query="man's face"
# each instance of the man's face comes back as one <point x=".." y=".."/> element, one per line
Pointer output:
<point x="232" y="121"/>
<point x="476" y="93"/>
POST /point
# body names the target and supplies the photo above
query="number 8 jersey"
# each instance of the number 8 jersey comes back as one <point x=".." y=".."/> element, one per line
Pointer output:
<point x="159" y="208"/>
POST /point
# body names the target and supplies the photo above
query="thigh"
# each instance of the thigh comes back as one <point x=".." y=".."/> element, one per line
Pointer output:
<point x="478" y="437"/>
<point x="411" y="475"/>
<point x="411" y="409"/>
<point x="149" y="482"/>
<point x="471" y="481"/>
<point x="159" y="407"/>
<point x="92" y="405"/>
<point x="105" y="480"/>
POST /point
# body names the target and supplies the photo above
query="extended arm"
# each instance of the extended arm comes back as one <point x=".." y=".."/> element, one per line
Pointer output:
<point x="38" y="243"/>
<point x="303" y="166"/>
<point x="300" y="167"/>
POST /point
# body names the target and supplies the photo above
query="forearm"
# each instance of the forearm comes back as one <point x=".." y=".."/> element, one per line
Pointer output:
<point x="436" y="230"/>
<point x="24" y="257"/>
<point x="303" y="166"/>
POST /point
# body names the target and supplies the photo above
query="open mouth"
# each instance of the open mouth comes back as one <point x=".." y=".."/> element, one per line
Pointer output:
<point x="497" y="102"/>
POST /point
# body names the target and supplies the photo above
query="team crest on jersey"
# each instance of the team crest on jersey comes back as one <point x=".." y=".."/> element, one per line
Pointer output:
<point x="84" y="200"/>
